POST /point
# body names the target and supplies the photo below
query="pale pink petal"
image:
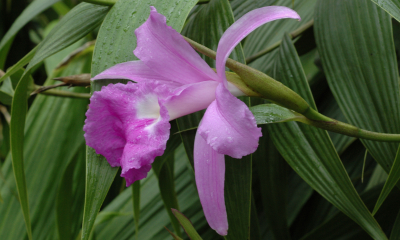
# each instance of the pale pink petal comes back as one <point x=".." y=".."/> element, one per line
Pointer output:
<point x="245" y="25"/>
<point x="228" y="126"/>
<point x="136" y="71"/>
<point x="190" y="98"/>
<point x="165" y="51"/>
<point x="129" y="126"/>
<point x="209" y="167"/>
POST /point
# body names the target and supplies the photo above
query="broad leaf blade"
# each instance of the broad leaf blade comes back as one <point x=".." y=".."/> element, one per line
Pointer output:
<point x="355" y="42"/>
<point x="30" y="12"/>
<point x="390" y="6"/>
<point x="310" y="151"/>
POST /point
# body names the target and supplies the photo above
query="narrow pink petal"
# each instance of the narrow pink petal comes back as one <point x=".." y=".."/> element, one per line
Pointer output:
<point x="209" y="169"/>
<point x="134" y="70"/>
<point x="128" y="126"/>
<point x="228" y="126"/>
<point x="243" y="27"/>
<point x="165" y="51"/>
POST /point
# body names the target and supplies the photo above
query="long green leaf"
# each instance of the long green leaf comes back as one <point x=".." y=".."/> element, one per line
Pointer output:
<point x="187" y="225"/>
<point x="20" y="64"/>
<point x="153" y="217"/>
<point x="272" y="172"/>
<point x="136" y="205"/>
<point x="163" y="167"/>
<point x="310" y="151"/>
<point x="52" y="123"/>
<point x="80" y="21"/>
<point x="69" y="201"/>
<point x="115" y="43"/>
<point x="30" y="12"/>
<point x="270" y="33"/>
<point x="391" y="181"/>
<point x="390" y="6"/>
<point x="395" y="234"/>
<point x="354" y="39"/>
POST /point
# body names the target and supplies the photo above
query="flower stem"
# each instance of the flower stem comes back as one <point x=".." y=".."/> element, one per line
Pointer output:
<point x="293" y="34"/>
<point x="350" y="130"/>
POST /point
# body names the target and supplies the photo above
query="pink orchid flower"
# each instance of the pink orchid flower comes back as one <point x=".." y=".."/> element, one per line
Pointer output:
<point x="129" y="123"/>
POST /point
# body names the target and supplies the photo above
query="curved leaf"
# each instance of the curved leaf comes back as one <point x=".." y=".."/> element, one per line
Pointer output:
<point x="390" y="6"/>
<point x="310" y="151"/>
<point x="272" y="113"/>
<point x="355" y="42"/>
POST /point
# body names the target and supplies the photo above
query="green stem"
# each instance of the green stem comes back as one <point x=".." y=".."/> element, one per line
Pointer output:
<point x="350" y="130"/>
<point x="293" y="34"/>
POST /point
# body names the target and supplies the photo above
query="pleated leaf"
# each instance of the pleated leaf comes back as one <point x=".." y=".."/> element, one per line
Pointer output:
<point x="30" y="12"/>
<point x="272" y="32"/>
<point x="52" y="124"/>
<point x="310" y="152"/>
<point x="355" y="42"/>
<point x="390" y="6"/>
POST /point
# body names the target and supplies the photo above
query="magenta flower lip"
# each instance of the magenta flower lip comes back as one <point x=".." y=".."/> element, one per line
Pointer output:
<point x="129" y="124"/>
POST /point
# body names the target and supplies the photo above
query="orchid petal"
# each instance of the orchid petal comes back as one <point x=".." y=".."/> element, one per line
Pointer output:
<point x="166" y="52"/>
<point x="190" y="98"/>
<point x="209" y="169"/>
<point x="129" y="126"/>
<point x="228" y="126"/>
<point x="243" y="27"/>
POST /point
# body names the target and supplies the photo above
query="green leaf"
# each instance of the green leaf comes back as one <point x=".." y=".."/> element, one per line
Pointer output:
<point x="19" y="65"/>
<point x="272" y="172"/>
<point x="69" y="200"/>
<point x="310" y="151"/>
<point x="272" y="113"/>
<point x="136" y="205"/>
<point x="80" y="21"/>
<point x="238" y="179"/>
<point x="395" y="234"/>
<point x="30" y="12"/>
<point x="153" y="216"/>
<point x="52" y="124"/>
<point x="115" y="43"/>
<point x="187" y="225"/>
<point x="355" y="42"/>
<point x="173" y="235"/>
<point x="76" y="24"/>
<point x="163" y="167"/>
<point x="272" y="32"/>
<point x="391" y="181"/>
<point x="390" y="6"/>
